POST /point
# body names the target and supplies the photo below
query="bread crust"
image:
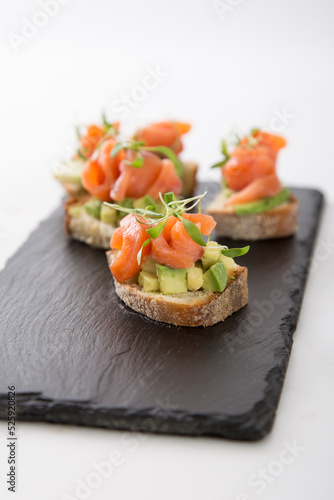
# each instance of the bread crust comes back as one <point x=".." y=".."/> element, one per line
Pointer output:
<point x="85" y="228"/>
<point x="190" y="309"/>
<point x="189" y="178"/>
<point x="279" y="222"/>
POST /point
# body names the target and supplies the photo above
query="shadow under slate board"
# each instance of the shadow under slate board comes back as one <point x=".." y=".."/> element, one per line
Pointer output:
<point x="77" y="355"/>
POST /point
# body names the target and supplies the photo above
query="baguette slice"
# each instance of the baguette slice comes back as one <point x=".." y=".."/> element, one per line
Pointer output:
<point x="96" y="233"/>
<point x="83" y="227"/>
<point x="278" y="222"/>
<point x="187" y="309"/>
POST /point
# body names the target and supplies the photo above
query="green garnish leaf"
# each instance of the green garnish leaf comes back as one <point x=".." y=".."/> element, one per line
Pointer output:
<point x="254" y="131"/>
<point x="235" y="252"/>
<point x="116" y="149"/>
<point x="225" y="153"/>
<point x="232" y="277"/>
<point x="108" y="126"/>
<point x="219" y="164"/>
<point x="169" y="197"/>
<point x="139" y="255"/>
<point x="137" y="162"/>
<point x="105" y="121"/>
<point x="193" y="231"/>
<point x="155" y="231"/>
<point x="77" y="130"/>
<point x="164" y="150"/>
<point x="224" y="149"/>
<point x="79" y="153"/>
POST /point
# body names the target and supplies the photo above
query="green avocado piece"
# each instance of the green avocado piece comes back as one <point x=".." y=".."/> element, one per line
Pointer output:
<point x="264" y="204"/>
<point x="194" y="278"/>
<point x="148" y="281"/>
<point x="75" y="210"/>
<point x="215" y="278"/>
<point x="108" y="214"/>
<point x="93" y="208"/>
<point x="171" y="280"/>
<point x="211" y="254"/>
<point x="144" y="202"/>
<point x="69" y="171"/>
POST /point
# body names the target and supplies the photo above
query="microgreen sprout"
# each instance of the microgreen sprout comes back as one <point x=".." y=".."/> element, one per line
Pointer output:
<point x="225" y="153"/>
<point x="109" y="126"/>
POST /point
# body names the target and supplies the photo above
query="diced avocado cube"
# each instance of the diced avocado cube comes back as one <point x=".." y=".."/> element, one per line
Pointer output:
<point x="149" y="265"/>
<point x="210" y="255"/>
<point x="229" y="264"/>
<point x="172" y="281"/>
<point x="93" y="208"/>
<point x="69" y="171"/>
<point x="148" y="281"/>
<point x="126" y="203"/>
<point x="75" y="211"/>
<point x="194" y="278"/>
<point x="215" y="278"/>
<point x="108" y="214"/>
<point x="144" y="202"/>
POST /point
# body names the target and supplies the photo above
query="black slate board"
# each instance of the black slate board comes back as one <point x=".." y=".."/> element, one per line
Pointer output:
<point x="77" y="355"/>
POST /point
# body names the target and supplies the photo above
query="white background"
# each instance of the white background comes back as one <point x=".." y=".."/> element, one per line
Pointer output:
<point x="240" y="67"/>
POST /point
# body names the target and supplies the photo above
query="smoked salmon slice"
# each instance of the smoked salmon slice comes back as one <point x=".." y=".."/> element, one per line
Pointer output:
<point x="99" y="175"/>
<point x="164" y="134"/>
<point x="163" y="253"/>
<point x="251" y="168"/>
<point x="89" y="141"/>
<point x="273" y="142"/>
<point x="246" y="165"/>
<point x="182" y="242"/>
<point x="168" y="227"/>
<point x="154" y="176"/>
<point x="259" y="188"/>
<point x="174" y="247"/>
<point x="167" y="180"/>
<point x="133" y="234"/>
<point x="206" y="222"/>
<point x="116" y="241"/>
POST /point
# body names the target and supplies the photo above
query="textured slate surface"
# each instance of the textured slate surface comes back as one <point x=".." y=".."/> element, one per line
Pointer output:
<point x="77" y="355"/>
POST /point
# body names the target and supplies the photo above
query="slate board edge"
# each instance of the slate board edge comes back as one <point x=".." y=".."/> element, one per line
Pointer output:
<point x="176" y="422"/>
<point x="33" y="407"/>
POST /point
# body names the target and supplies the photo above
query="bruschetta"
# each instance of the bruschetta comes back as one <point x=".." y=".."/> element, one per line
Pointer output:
<point x="131" y="172"/>
<point x="253" y="204"/>
<point x="165" y="269"/>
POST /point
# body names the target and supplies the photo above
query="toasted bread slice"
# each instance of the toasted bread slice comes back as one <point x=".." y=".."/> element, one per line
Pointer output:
<point x="186" y="309"/>
<point x="83" y="227"/>
<point x="278" y="222"/>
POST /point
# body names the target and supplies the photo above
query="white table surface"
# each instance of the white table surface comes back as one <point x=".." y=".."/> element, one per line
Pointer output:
<point x="258" y="60"/>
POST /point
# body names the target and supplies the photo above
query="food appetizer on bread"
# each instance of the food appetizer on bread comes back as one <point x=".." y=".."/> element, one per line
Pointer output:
<point x="130" y="172"/>
<point x="253" y="204"/>
<point x="163" y="267"/>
